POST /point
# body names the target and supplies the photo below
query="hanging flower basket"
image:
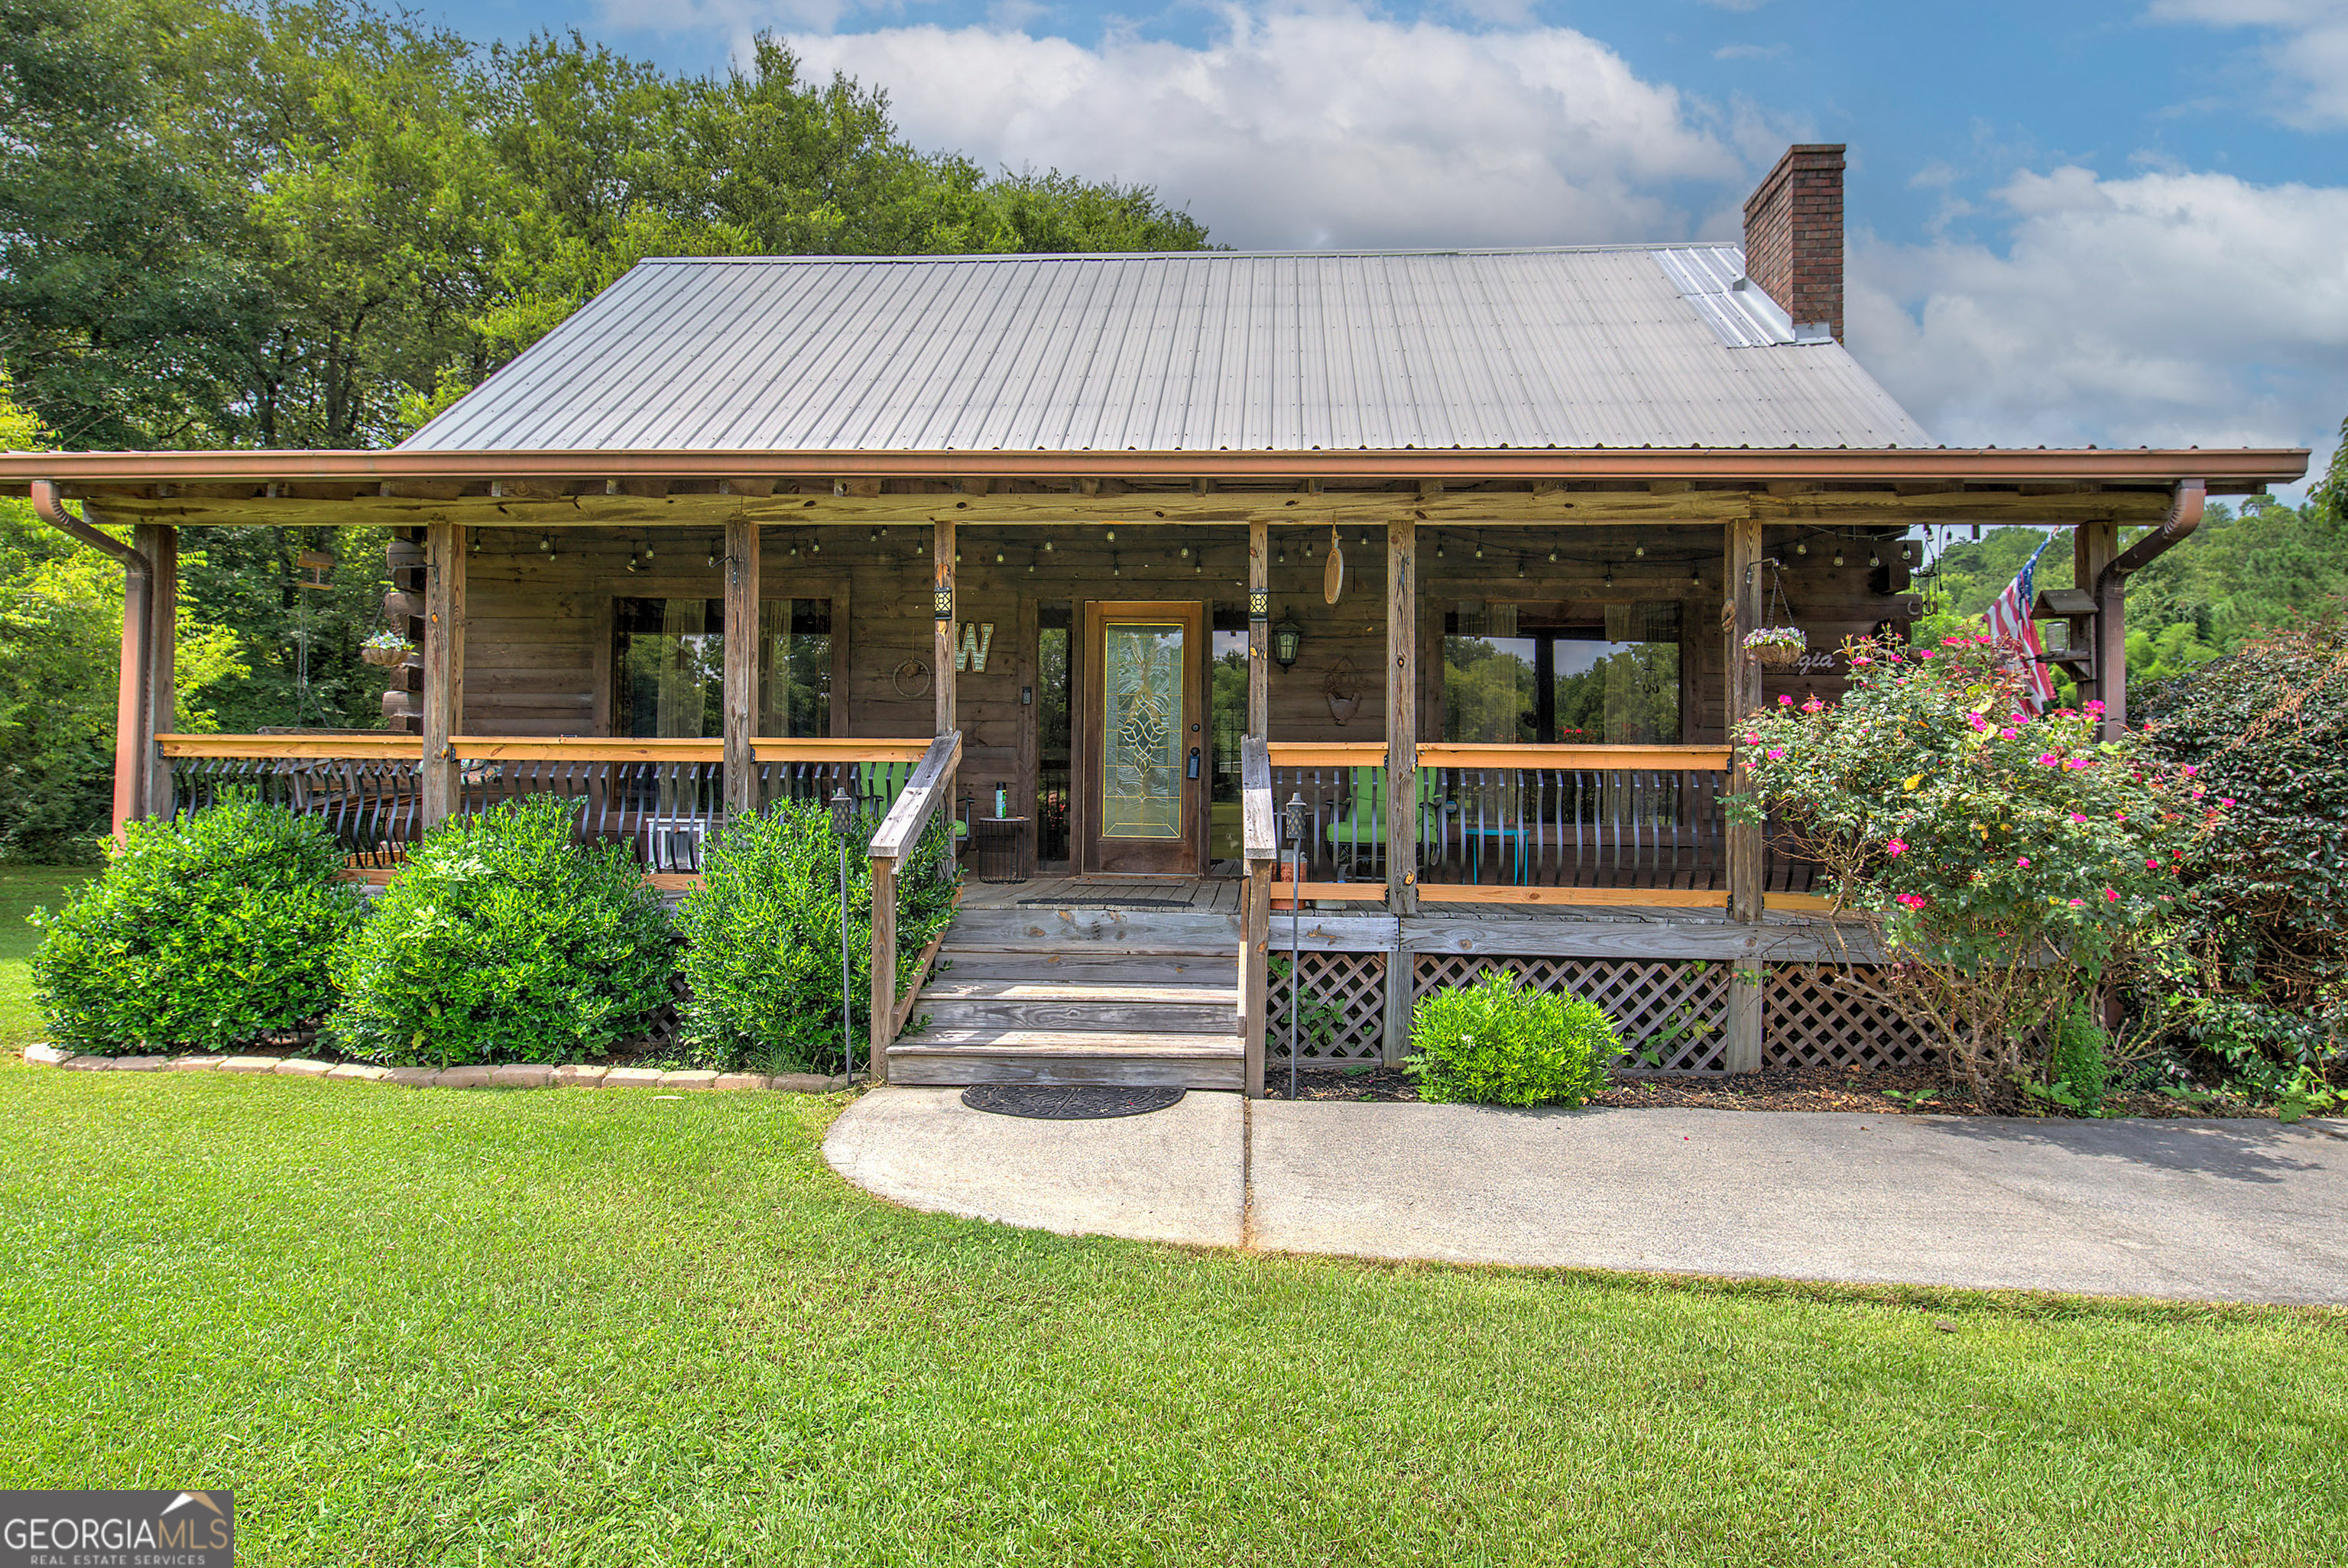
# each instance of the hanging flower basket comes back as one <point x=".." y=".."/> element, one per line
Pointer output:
<point x="1777" y="647"/>
<point x="388" y="648"/>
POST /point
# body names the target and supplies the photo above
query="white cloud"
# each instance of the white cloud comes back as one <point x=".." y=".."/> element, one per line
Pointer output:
<point x="2308" y="52"/>
<point x="1328" y="125"/>
<point x="2166" y="309"/>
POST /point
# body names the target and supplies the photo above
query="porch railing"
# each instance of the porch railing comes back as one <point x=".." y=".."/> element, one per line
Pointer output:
<point x="1630" y="823"/>
<point x="662" y="798"/>
<point x="366" y="787"/>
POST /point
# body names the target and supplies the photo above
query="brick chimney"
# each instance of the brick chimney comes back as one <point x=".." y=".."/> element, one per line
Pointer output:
<point x="1793" y="235"/>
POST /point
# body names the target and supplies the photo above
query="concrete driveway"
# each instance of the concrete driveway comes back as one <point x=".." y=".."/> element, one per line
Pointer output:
<point x="2194" y="1209"/>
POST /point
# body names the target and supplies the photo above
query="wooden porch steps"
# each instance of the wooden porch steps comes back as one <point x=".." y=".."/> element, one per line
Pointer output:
<point x="1078" y="994"/>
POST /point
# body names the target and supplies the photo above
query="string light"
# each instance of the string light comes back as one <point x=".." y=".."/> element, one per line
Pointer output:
<point x="1552" y="558"/>
<point x="1801" y="547"/>
<point x="1639" y="551"/>
<point x="1838" y="557"/>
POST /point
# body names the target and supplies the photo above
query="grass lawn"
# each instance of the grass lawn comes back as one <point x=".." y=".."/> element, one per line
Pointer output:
<point x="23" y="890"/>
<point x="604" y="1326"/>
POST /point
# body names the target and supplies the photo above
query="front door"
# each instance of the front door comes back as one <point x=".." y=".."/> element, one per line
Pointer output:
<point x="1144" y="737"/>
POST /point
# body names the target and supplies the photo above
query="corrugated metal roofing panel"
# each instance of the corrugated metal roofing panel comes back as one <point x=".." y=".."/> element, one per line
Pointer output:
<point x="1616" y="346"/>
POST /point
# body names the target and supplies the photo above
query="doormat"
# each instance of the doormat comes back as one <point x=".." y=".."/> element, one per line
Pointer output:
<point x="1108" y="903"/>
<point x="1067" y="1102"/>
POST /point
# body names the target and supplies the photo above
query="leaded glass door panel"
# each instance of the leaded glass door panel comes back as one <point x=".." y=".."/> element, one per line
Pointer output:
<point x="1144" y="726"/>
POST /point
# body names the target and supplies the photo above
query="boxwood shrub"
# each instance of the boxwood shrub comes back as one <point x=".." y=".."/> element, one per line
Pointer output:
<point x="762" y="939"/>
<point x="1500" y="1041"/>
<point x="203" y="934"/>
<point x="501" y="940"/>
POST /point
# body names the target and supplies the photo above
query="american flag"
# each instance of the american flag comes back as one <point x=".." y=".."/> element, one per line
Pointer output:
<point x="2010" y="623"/>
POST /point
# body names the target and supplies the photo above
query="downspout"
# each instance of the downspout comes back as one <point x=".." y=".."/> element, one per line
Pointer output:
<point x="131" y="740"/>
<point x="2111" y="595"/>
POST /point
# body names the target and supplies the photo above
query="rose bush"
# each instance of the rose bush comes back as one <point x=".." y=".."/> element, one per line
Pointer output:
<point x="2001" y="858"/>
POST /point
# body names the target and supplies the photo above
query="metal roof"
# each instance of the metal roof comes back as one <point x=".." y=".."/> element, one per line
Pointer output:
<point x="1621" y="346"/>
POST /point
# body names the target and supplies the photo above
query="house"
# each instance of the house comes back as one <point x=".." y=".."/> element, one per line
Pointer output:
<point x="1116" y="560"/>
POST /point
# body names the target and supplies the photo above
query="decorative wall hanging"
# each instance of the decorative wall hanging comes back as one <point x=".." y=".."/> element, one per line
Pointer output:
<point x="1343" y="687"/>
<point x="910" y="679"/>
<point x="1332" y="575"/>
<point x="977" y="639"/>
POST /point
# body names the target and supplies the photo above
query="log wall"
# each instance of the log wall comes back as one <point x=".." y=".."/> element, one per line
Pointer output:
<point x="540" y="637"/>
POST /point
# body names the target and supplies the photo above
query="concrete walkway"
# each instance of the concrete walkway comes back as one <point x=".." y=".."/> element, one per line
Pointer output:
<point x="2196" y="1209"/>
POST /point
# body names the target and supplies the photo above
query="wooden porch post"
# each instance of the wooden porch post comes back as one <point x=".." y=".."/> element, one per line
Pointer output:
<point x="741" y="685"/>
<point x="1259" y="699"/>
<point x="2093" y="547"/>
<point x="1402" y="769"/>
<point x="1743" y="844"/>
<point x="942" y="613"/>
<point x="160" y="543"/>
<point x="444" y="668"/>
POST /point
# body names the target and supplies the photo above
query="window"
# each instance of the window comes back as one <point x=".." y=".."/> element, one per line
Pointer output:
<point x="1226" y="723"/>
<point x="668" y="664"/>
<point x="1547" y="674"/>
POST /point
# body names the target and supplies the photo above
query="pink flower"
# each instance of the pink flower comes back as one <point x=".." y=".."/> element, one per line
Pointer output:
<point x="2049" y="760"/>
<point x="1952" y="642"/>
<point x="2078" y="903"/>
<point x="1895" y="846"/>
<point x="2152" y="866"/>
<point x="1907" y="900"/>
<point x="1783" y="700"/>
<point x="1860" y="661"/>
<point x="2079" y="762"/>
<point x="2022" y="861"/>
<point x="2092" y="705"/>
<point x="1814" y="706"/>
<point x="2119" y="816"/>
<point x="1976" y="721"/>
<point x="2225" y="800"/>
<point x="2111" y="895"/>
<point x="1927" y="653"/>
<point x="2007" y="734"/>
<point x="2077" y="818"/>
<point x="2188" y="770"/>
<point x="1776" y="753"/>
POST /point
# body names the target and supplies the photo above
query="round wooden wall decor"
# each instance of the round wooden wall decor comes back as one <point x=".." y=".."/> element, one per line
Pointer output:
<point x="910" y="679"/>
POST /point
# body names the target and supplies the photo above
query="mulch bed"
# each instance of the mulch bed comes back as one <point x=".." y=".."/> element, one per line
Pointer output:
<point x="1775" y="1088"/>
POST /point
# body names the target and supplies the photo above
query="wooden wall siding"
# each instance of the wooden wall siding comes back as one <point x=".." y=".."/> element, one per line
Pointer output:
<point x="538" y="650"/>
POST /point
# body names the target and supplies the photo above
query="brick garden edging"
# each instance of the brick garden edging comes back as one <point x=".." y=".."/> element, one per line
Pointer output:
<point x="512" y="1075"/>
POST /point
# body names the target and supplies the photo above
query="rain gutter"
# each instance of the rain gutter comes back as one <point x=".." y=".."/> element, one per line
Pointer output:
<point x="131" y="740"/>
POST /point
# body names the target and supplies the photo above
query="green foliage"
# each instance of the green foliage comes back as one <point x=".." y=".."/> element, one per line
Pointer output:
<point x="203" y="934"/>
<point x="60" y="646"/>
<point x="1502" y="1042"/>
<point x="2003" y="857"/>
<point x="2258" y="975"/>
<point x="2079" y="1069"/>
<point x="762" y="936"/>
<point x="503" y="941"/>
<point x="311" y="223"/>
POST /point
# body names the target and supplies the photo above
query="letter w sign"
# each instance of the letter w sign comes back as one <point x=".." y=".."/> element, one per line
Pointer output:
<point x="977" y="638"/>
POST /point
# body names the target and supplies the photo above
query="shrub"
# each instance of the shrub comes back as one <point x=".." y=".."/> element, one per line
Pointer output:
<point x="202" y="933"/>
<point x="503" y="941"/>
<point x="762" y="938"/>
<point x="1502" y="1042"/>
<point x="2079" y="1068"/>
<point x="2256" y="982"/>
<point x="2001" y="858"/>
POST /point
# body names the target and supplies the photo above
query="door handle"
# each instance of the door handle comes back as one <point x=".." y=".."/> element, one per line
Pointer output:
<point x="1194" y="762"/>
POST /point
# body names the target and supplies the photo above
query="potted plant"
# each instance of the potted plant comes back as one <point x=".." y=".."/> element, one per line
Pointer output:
<point x="388" y="649"/>
<point x="1779" y="647"/>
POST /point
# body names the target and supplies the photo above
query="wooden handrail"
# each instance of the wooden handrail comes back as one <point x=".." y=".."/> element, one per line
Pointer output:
<point x="1260" y="842"/>
<point x="585" y="748"/>
<point x="836" y="749"/>
<point x="1664" y="759"/>
<point x="1329" y="754"/>
<point x="385" y="747"/>
<point x="900" y="830"/>
<point x="894" y="839"/>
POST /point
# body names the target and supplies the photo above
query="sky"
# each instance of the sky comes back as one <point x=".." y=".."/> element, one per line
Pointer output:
<point x="2068" y="222"/>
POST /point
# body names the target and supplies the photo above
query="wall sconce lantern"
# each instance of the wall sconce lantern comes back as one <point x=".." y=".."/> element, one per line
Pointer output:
<point x="1285" y="638"/>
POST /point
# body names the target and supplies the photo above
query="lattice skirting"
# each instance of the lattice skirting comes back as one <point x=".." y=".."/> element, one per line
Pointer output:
<point x="1675" y="1011"/>
<point x="1678" y="1012"/>
<point x="1343" y="1018"/>
<point x="1811" y="1019"/>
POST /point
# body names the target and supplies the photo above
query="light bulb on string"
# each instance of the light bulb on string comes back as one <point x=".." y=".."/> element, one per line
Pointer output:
<point x="1838" y="557"/>
<point x="1801" y="547"/>
<point x="1552" y="558"/>
<point x="1639" y="551"/>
